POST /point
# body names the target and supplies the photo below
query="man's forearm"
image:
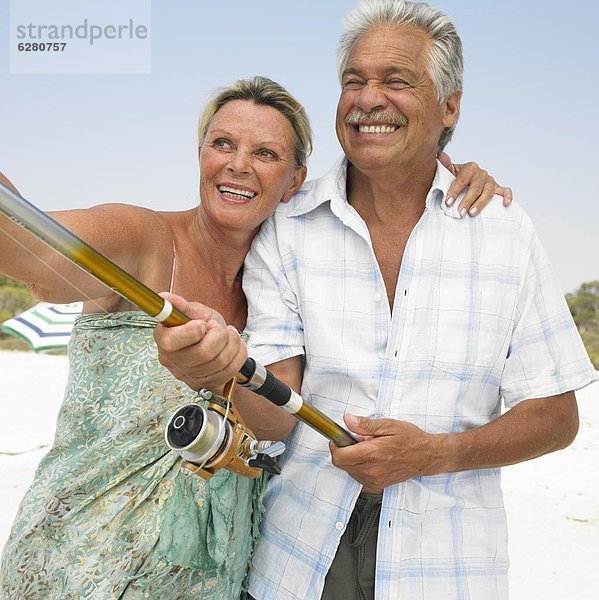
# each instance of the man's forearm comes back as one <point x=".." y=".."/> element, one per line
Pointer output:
<point x="530" y="429"/>
<point x="394" y="451"/>
<point x="265" y="419"/>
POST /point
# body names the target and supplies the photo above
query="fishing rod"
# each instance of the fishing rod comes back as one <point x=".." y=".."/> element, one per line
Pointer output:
<point x="252" y="375"/>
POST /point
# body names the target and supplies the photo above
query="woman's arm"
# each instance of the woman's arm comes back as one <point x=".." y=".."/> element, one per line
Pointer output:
<point x="8" y="183"/>
<point x="118" y="231"/>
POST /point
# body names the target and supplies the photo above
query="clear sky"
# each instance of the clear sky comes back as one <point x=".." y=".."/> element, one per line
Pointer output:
<point x="529" y="112"/>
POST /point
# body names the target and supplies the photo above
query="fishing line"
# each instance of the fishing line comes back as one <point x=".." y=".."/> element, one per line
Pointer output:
<point x="84" y="295"/>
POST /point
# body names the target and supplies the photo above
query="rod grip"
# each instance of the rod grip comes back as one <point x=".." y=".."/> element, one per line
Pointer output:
<point x="263" y="382"/>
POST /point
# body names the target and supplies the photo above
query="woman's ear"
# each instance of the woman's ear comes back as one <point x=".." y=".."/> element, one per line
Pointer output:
<point x="296" y="183"/>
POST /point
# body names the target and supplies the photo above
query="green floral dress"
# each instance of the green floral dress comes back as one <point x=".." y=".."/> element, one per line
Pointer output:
<point x="110" y="513"/>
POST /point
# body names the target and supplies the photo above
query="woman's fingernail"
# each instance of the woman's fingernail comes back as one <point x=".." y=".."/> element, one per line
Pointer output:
<point x="463" y="212"/>
<point x="449" y="201"/>
<point x="353" y="419"/>
<point x="473" y="211"/>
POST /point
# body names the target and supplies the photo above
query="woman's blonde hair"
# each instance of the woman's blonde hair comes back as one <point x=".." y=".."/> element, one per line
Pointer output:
<point x="264" y="91"/>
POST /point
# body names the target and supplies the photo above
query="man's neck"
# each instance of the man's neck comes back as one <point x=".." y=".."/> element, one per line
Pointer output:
<point x="380" y="197"/>
<point x="390" y="203"/>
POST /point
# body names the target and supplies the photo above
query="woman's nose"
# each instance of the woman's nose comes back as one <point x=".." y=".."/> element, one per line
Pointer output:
<point x="240" y="162"/>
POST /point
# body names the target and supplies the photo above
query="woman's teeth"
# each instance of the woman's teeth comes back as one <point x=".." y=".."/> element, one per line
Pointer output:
<point x="235" y="193"/>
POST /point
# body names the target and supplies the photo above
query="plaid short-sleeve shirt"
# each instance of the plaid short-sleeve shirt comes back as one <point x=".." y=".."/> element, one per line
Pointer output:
<point x="478" y="316"/>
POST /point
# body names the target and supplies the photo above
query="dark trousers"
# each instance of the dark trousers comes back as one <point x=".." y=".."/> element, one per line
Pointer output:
<point x="351" y="576"/>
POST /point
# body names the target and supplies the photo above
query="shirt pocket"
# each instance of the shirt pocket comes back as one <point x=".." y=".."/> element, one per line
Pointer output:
<point x="470" y="330"/>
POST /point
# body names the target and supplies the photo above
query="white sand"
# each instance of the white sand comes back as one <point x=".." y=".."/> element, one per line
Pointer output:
<point x="552" y="502"/>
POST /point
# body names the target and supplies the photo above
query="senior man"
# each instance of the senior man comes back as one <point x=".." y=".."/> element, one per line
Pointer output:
<point x="414" y="324"/>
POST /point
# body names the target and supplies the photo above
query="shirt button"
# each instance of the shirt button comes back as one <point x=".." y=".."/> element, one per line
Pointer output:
<point x="339" y="525"/>
<point x="377" y="297"/>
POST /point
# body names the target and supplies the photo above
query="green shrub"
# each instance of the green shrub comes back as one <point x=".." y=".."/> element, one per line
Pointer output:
<point x="584" y="306"/>
<point x="14" y="299"/>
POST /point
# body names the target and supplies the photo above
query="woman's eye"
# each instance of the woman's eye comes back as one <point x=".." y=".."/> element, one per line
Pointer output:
<point x="221" y="144"/>
<point x="265" y="153"/>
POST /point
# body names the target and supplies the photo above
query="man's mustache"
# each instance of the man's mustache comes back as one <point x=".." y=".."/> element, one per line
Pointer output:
<point x="378" y="116"/>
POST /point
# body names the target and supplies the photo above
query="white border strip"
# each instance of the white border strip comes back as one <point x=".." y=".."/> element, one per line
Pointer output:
<point x="165" y="313"/>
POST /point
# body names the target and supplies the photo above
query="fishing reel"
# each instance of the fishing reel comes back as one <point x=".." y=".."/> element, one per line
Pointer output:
<point x="214" y="437"/>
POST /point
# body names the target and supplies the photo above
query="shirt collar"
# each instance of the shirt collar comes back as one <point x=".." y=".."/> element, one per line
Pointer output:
<point x="437" y="195"/>
<point x="331" y="187"/>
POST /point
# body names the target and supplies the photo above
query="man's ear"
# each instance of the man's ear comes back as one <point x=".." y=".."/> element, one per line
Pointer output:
<point x="298" y="178"/>
<point x="451" y="109"/>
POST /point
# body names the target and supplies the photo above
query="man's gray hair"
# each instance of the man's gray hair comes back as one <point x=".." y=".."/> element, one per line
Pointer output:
<point x="445" y="63"/>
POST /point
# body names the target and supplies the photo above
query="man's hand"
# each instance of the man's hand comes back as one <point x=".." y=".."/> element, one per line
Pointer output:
<point x="481" y="187"/>
<point x="391" y="452"/>
<point x="204" y="353"/>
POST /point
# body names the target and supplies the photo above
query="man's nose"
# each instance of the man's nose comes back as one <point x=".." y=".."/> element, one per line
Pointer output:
<point x="371" y="98"/>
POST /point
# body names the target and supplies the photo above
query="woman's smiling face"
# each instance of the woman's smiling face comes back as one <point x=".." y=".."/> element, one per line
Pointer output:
<point x="247" y="165"/>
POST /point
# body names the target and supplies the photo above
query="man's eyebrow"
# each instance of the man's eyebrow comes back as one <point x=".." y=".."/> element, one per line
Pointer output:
<point x="394" y="69"/>
<point x="391" y="70"/>
<point x="351" y="71"/>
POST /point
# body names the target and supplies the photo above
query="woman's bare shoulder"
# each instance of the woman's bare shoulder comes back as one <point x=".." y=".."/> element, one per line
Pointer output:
<point x="114" y="228"/>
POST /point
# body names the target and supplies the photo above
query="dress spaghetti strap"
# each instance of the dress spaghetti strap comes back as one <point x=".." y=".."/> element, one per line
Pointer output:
<point x="173" y="269"/>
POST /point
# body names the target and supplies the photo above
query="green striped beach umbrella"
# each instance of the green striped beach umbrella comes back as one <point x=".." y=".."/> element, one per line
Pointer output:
<point x="44" y="326"/>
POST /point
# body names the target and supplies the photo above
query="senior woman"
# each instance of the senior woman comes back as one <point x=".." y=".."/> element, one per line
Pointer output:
<point x="110" y="514"/>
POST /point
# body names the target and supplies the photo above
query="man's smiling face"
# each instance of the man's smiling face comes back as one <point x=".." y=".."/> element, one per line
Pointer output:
<point x="389" y="113"/>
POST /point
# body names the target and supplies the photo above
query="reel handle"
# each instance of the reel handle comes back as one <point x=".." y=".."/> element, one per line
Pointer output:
<point x="213" y="436"/>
